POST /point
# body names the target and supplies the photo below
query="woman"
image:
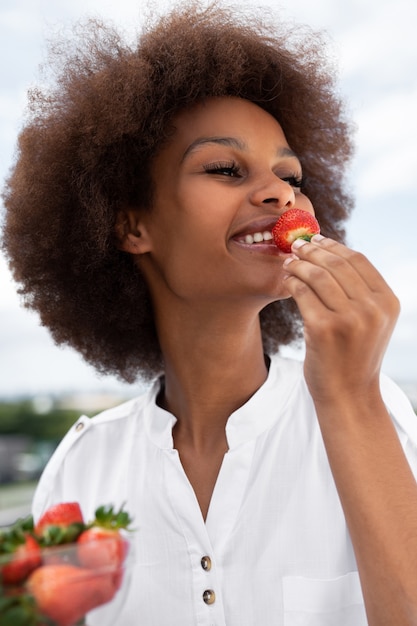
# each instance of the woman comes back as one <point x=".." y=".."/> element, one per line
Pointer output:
<point x="264" y="491"/>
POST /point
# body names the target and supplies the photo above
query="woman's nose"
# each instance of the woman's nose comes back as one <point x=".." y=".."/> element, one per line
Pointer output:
<point x="275" y="191"/>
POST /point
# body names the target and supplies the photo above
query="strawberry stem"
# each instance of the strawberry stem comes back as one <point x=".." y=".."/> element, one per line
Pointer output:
<point x="14" y="536"/>
<point x="58" y="535"/>
<point x="107" y="517"/>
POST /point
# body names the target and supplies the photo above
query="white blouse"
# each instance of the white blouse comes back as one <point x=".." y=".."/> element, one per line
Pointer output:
<point x="274" y="550"/>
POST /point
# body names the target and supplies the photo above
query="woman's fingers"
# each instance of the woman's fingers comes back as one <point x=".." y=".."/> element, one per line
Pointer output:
<point x="352" y="270"/>
<point x="335" y="274"/>
<point x="348" y="311"/>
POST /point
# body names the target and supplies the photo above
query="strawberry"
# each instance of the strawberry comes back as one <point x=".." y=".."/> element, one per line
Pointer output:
<point x="61" y="523"/>
<point x="294" y="224"/>
<point x="24" y="556"/>
<point x="65" y="593"/>
<point x="101" y="547"/>
<point x="20" y="553"/>
<point x="102" y="544"/>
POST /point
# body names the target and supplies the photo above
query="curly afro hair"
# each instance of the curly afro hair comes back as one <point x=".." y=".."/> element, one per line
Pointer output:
<point x="86" y="149"/>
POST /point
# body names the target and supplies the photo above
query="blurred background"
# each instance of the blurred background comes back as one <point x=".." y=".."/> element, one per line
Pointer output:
<point x="44" y="388"/>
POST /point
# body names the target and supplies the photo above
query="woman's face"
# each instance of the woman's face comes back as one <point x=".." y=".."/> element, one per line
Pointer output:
<point x="221" y="182"/>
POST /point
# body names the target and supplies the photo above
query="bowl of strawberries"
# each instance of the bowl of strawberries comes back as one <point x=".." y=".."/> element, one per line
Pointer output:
<point x="55" y="572"/>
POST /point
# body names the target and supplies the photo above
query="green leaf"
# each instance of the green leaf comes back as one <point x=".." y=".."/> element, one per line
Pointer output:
<point x="107" y="517"/>
<point x="5" y="602"/>
<point x="17" y="616"/>
<point x="57" y="535"/>
<point x="21" y="610"/>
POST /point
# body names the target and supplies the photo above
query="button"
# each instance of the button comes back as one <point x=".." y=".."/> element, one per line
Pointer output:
<point x="206" y="563"/>
<point x="79" y="427"/>
<point x="209" y="596"/>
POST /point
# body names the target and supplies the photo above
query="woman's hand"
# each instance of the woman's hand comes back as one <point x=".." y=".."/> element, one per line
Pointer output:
<point x="349" y="313"/>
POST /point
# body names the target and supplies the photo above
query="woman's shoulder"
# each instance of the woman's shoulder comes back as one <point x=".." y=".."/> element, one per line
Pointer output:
<point x="92" y="445"/>
<point x="115" y="417"/>
<point x="403" y="414"/>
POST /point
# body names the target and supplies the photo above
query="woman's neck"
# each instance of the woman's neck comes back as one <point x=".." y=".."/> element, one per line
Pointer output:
<point x="212" y="367"/>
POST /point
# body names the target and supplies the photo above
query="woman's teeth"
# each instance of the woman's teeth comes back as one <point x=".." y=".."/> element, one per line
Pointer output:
<point x="257" y="237"/>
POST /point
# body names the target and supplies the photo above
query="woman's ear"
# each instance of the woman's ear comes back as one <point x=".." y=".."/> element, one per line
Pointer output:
<point x="131" y="232"/>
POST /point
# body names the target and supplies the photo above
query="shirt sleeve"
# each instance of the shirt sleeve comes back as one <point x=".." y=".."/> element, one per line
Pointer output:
<point x="404" y="418"/>
<point x="49" y="489"/>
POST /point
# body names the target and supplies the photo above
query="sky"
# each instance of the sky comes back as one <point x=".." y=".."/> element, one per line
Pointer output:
<point x="374" y="45"/>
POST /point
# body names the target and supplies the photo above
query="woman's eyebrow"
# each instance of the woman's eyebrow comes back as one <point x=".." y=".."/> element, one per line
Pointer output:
<point x="286" y="152"/>
<point x="232" y="142"/>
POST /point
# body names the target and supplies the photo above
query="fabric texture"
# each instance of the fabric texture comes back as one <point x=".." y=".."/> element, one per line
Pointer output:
<point x="278" y="546"/>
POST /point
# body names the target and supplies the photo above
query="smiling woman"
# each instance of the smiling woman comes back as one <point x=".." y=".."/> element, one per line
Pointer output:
<point x="139" y="224"/>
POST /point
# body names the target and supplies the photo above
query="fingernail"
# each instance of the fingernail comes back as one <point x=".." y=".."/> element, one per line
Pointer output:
<point x="290" y="259"/>
<point x="317" y="238"/>
<point x="298" y="243"/>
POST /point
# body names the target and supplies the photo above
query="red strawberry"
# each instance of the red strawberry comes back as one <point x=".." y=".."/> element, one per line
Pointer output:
<point x="102" y="544"/>
<point x="101" y="547"/>
<point x="65" y="593"/>
<point x="61" y="523"/>
<point x="294" y="224"/>
<point x="21" y="554"/>
<point x="62" y="514"/>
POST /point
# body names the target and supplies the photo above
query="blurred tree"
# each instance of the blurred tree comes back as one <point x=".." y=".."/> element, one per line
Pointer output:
<point x="23" y="418"/>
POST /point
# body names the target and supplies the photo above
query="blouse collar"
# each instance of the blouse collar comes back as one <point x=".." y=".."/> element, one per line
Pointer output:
<point x="250" y="420"/>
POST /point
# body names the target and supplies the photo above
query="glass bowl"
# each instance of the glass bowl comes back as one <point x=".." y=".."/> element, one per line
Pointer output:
<point x="61" y="585"/>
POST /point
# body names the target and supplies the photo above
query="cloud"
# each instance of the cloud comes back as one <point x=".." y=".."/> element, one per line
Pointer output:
<point x="387" y="156"/>
<point x="401" y="360"/>
<point x="379" y="45"/>
<point x="9" y="299"/>
<point x="31" y="363"/>
<point x="403" y="280"/>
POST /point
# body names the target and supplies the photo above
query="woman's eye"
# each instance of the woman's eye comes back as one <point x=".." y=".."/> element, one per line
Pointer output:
<point x="225" y="169"/>
<point x="294" y="181"/>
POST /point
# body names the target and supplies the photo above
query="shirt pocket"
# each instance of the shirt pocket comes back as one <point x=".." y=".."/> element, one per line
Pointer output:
<point x="318" y="602"/>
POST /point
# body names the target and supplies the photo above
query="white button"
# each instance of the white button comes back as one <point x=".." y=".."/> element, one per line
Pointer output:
<point x="79" y="427"/>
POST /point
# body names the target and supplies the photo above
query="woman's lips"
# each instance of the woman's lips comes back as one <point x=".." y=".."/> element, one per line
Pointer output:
<point x="257" y="231"/>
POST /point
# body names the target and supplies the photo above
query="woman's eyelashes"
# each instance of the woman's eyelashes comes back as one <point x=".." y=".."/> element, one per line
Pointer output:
<point x="230" y="168"/>
<point x="295" y="180"/>
<point x="233" y="170"/>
